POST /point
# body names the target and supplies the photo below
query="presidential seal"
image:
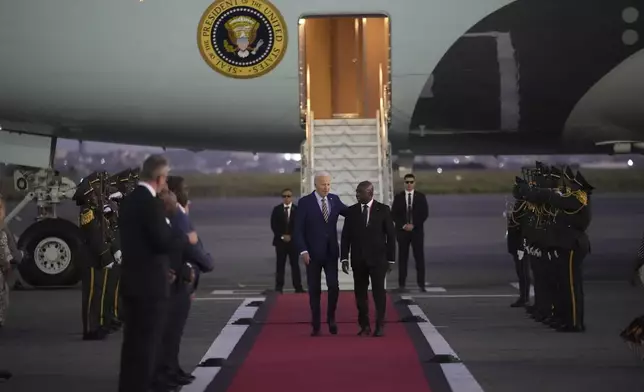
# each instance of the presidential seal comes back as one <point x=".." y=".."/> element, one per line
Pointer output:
<point x="242" y="38"/>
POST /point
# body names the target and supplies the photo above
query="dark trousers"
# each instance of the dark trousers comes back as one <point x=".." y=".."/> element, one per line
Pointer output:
<point x="282" y="251"/>
<point x="112" y="297"/>
<point x="362" y="274"/>
<point x="540" y="297"/>
<point x="144" y="320"/>
<point x="178" y="310"/>
<point x="570" y="265"/>
<point x="522" y="268"/>
<point x="417" y="241"/>
<point x="550" y="283"/>
<point x="314" y="278"/>
<point x="94" y="294"/>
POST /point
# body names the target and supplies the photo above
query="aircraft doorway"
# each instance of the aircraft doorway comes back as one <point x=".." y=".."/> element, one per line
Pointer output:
<point x="344" y="62"/>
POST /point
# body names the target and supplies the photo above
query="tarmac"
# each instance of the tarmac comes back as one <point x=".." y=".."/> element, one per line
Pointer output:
<point x="470" y="276"/>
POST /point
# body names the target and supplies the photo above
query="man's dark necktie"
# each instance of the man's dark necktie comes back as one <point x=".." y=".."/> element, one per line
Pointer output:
<point x="365" y="214"/>
<point x="286" y="218"/>
<point x="409" y="211"/>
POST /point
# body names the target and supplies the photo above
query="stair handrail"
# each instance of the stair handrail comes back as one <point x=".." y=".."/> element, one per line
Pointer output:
<point x="383" y="140"/>
<point x="309" y="131"/>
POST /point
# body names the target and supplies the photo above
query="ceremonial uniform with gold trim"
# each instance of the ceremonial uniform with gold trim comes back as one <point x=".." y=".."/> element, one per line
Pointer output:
<point x="97" y="256"/>
<point x="516" y="219"/>
<point x="568" y="245"/>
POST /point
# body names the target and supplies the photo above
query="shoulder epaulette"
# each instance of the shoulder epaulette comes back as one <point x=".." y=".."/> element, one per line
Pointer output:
<point x="86" y="217"/>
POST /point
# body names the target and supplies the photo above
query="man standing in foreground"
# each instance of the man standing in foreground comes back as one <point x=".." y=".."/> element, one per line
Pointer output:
<point x="369" y="234"/>
<point x="146" y="240"/>
<point x="316" y="239"/>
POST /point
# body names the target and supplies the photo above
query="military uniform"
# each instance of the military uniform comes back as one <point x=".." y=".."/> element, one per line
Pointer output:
<point x="98" y="256"/>
<point x="112" y="298"/>
<point x="119" y="185"/>
<point x="515" y="221"/>
<point x="566" y="244"/>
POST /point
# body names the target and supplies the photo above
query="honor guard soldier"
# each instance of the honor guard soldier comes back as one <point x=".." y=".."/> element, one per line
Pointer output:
<point x="98" y="256"/>
<point x="110" y="212"/>
<point x="119" y="185"/>
<point x="532" y="253"/>
<point x="570" y="242"/>
<point x="516" y="217"/>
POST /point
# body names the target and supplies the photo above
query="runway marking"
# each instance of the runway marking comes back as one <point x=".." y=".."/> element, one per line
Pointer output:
<point x="458" y="376"/>
<point x="234" y="292"/>
<point x="516" y="286"/>
<point x="220" y="298"/>
<point x="222" y="346"/>
<point x="464" y="296"/>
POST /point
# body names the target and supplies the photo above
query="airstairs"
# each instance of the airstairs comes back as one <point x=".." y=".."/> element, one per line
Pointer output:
<point x="351" y="150"/>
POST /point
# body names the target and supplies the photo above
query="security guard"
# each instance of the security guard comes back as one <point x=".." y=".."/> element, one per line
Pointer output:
<point x="99" y="258"/>
<point x="570" y="242"/>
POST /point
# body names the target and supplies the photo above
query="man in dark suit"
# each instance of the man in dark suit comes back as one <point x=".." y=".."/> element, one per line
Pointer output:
<point x="316" y="239"/>
<point x="187" y="263"/>
<point x="369" y="234"/>
<point x="146" y="242"/>
<point x="282" y="224"/>
<point x="410" y="211"/>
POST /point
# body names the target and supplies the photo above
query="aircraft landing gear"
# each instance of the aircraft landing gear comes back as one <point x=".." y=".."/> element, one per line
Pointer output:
<point x="53" y="246"/>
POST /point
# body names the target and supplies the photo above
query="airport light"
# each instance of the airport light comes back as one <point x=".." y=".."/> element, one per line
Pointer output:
<point x="439" y="170"/>
<point x="630" y="162"/>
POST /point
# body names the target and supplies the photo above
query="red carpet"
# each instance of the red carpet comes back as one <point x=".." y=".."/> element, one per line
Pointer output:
<point x="285" y="358"/>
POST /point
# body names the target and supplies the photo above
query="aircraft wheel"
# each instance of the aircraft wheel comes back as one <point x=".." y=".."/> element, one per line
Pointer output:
<point x="53" y="257"/>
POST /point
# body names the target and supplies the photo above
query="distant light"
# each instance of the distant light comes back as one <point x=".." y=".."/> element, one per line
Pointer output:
<point x="287" y="157"/>
<point x="297" y="157"/>
<point x="630" y="162"/>
<point x="459" y="178"/>
<point x="439" y="170"/>
<point x="456" y="161"/>
<point x="0" y="127"/>
<point x="282" y="170"/>
<point x="102" y="161"/>
<point x="228" y="162"/>
<point x="255" y="157"/>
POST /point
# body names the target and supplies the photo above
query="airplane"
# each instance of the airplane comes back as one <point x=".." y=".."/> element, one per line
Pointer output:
<point x="462" y="77"/>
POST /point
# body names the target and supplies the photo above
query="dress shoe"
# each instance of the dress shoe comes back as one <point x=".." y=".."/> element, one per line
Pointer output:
<point x="315" y="331"/>
<point x="182" y="373"/>
<point x="181" y="379"/>
<point x="300" y="290"/>
<point x="422" y="289"/>
<point x="165" y="383"/>
<point x="519" y="303"/>
<point x="333" y="328"/>
<point x="99" y="334"/>
<point x="379" y="331"/>
<point x="364" y="331"/>
<point x="571" y="329"/>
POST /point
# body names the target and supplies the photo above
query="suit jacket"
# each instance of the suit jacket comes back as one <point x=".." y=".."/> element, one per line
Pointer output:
<point x="193" y="254"/>
<point x="312" y="233"/>
<point x="420" y="210"/>
<point x="279" y="224"/>
<point x="374" y="244"/>
<point x="146" y="243"/>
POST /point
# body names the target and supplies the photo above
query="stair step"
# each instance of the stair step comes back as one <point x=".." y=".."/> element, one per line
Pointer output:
<point x="346" y="121"/>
